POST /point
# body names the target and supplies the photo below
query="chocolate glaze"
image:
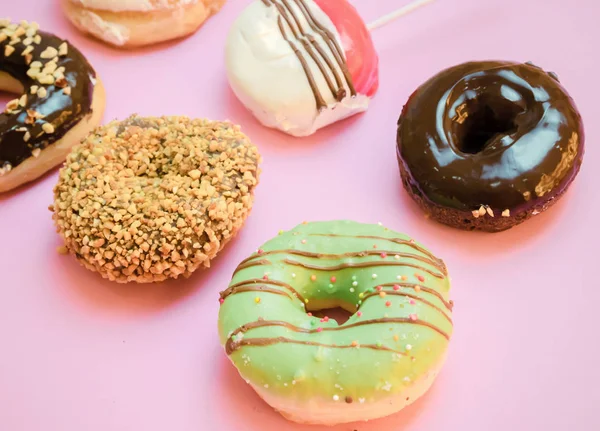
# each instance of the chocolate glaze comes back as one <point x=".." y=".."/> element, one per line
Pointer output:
<point x="232" y="345"/>
<point x="501" y="134"/>
<point x="61" y="110"/>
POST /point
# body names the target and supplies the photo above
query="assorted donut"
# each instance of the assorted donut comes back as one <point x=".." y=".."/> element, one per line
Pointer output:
<point x="480" y="146"/>
<point x="314" y="370"/>
<point x="61" y="100"/>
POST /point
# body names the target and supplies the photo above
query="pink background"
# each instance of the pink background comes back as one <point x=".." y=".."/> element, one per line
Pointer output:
<point x="79" y="353"/>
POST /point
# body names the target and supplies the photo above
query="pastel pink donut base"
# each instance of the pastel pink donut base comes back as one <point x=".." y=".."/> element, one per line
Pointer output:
<point x="361" y="56"/>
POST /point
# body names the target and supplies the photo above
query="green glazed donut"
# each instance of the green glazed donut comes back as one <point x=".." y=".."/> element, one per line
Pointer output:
<point x="312" y="369"/>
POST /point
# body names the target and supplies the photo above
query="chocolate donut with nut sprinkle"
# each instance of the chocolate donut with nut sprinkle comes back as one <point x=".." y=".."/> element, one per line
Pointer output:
<point x="149" y="199"/>
<point x="61" y="101"/>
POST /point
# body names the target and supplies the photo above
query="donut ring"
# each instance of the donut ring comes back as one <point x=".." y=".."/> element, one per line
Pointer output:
<point x="133" y="23"/>
<point x="61" y="101"/>
<point x="313" y="370"/>
<point x="149" y="199"/>
<point x="486" y="145"/>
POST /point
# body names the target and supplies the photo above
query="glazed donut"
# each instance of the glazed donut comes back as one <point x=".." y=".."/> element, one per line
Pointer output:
<point x="149" y="199"/>
<point x="486" y="145"/>
<point x="315" y="370"/>
<point x="133" y="23"/>
<point x="300" y="65"/>
<point x="62" y="100"/>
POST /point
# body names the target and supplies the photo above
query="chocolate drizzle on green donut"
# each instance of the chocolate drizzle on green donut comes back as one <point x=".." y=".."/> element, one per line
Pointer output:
<point x="64" y="84"/>
<point x="233" y="345"/>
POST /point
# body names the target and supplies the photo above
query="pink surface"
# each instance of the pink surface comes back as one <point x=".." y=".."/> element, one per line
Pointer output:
<point x="79" y="353"/>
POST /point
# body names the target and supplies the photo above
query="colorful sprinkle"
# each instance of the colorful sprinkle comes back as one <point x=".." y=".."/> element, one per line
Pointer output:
<point x="420" y="278"/>
<point x="379" y="288"/>
<point x="412" y="317"/>
<point x="330" y="286"/>
<point x="257" y="299"/>
<point x="379" y="344"/>
<point x="382" y="294"/>
<point x="388" y="303"/>
<point x="397" y="257"/>
<point x="260" y="251"/>
<point x="396" y="338"/>
<point x="374" y="245"/>
<point x="280" y="232"/>
<point x="336" y="398"/>
<point x="412" y="302"/>
<point x="354" y="343"/>
<point x="313" y="278"/>
<point x="361" y="295"/>
<point x="374" y="276"/>
<point x="396" y="287"/>
<point x="319" y="329"/>
<point x="354" y="277"/>
<point x="383" y="255"/>
<point x="352" y="290"/>
<point x="355" y="283"/>
<point x="333" y="279"/>
<point x="348" y="400"/>
<point x="221" y="300"/>
<point x="293" y="275"/>
<point x="306" y="301"/>
<point x="404" y="278"/>
<point x="408" y="347"/>
<point x="417" y="288"/>
<point x="265" y="277"/>
<point x="359" y="313"/>
<point x="303" y="241"/>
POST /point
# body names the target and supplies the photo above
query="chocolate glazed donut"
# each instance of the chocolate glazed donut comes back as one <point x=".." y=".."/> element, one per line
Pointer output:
<point x="486" y="145"/>
<point x="62" y="100"/>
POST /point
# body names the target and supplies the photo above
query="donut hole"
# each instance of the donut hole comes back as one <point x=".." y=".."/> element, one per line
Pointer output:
<point x="484" y="124"/>
<point x="338" y="314"/>
<point x="336" y="310"/>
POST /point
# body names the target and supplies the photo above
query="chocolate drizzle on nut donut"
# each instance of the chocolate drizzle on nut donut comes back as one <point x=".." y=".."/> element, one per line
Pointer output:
<point x="491" y="139"/>
<point x="58" y="85"/>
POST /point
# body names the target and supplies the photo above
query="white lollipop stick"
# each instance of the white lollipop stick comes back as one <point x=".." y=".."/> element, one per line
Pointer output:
<point x="380" y="22"/>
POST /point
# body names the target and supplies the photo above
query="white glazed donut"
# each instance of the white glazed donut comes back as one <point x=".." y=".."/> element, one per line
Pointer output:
<point x="131" y="23"/>
<point x="300" y="65"/>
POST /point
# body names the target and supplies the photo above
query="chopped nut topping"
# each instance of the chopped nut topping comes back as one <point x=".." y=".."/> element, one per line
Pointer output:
<point x="3" y="37"/>
<point x="8" y="50"/>
<point x="20" y="31"/>
<point x="48" y="128"/>
<point x="67" y="90"/>
<point x="23" y="100"/>
<point x="42" y="92"/>
<point x="490" y="211"/>
<point x="45" y="79"/>
<point x="61" y="82"/>
<point x="49" y="52"/>
<point x="37" y="39"/>
<point x="28" y="58"/>
<point x="4" y="22"/>
<point x="506" y="213"/>
<point x="30" y="32"/>
<point x="33" y="89"/>
<point x="26" y="136"/>
<point x="475" y="213"/>
<point x="27" y="50"/>
<point x="12" y="105"/>
<point x="49" y="68"/>
<point x="63" y="49"/>
<point x="36" y="151"/>
<point x="14" y="40"/>
<point x="27" y="41"/>
<point x="482" y="210"/>
<point x="114" y="204"/>
<point x="36" y="65"/>
<point x="33" y="72"/>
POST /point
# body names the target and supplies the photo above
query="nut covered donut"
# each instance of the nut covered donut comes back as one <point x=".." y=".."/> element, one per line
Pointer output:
<point x="62" y="100"/>
<point x="149" y="199"/>
<point x="314" y="370"/>
<point x="486" y="145"/>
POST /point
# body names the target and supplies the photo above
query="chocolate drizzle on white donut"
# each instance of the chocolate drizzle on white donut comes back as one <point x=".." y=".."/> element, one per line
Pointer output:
<point x="336" y="76"/>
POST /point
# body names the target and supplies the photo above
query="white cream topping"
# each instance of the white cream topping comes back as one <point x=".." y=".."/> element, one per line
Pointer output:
<point x="268" y="78"/>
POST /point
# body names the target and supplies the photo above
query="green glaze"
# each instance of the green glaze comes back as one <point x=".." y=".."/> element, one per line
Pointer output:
<point x="270" y="337"/>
